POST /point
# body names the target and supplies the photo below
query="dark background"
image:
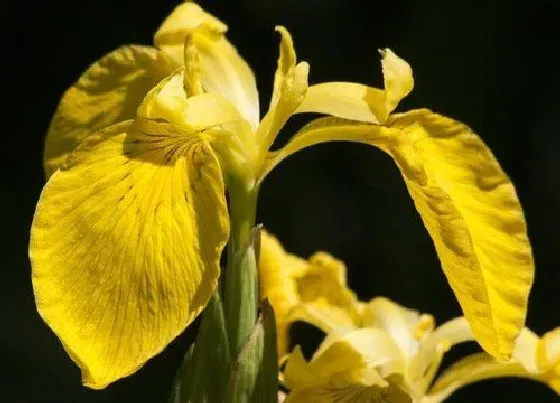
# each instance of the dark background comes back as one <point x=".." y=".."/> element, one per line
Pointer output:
<point x="491" y="64"/>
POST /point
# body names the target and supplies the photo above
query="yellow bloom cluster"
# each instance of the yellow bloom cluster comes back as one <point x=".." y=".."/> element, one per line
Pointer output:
<point x="379" y="350"/>
<point x="128" y="232"/>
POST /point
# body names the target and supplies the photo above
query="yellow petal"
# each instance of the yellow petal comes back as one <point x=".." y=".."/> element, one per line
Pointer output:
<point x="229" y="134"/>
<point x="290" y="86"/>
<point x="108" y="92"/>
<point x="397" y="76"/>
<point x="125" y="245"/>
<point x="348" y="367"/>
<point x="360" y="102"/>
<point x="314" y="291"/>
<point x="345" y="100"/>
<point x="472" y="213"/>
<point x="468" y="206"/>
<point x="292" y="93"/>
<point x="324" y="299"/>
<point x="286" y="62"/>
<point x="222" y="69"/>
<point x="396" y="320"/>
<point x="168" y="101"/>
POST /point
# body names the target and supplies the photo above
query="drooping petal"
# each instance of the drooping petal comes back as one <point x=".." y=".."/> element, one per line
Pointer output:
<point x="222" y="69"/>
<point x="125" y="245"/>
<point x="290" y="86"/>
<point x="360" y="102"/>
<point x="108" y="92"/>
<point x="353" y="366"/>
<point x="468" y="206"/>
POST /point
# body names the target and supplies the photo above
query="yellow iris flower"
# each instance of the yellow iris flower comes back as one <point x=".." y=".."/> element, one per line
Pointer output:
<point x="379" y="349"/>
<point x="129" y="229"/>
<point x="396" y="357"/>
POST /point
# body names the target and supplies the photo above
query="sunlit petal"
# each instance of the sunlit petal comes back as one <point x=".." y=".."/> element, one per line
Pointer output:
<point x="125" y="245"/>
<point x="468" y="205"/>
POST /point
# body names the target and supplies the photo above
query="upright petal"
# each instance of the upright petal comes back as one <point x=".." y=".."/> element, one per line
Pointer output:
<point x="125" y="245"/>
<point x="290" y="86"/>
<point x="222" y="69"/>
<point x="468" y="205"/>
<point x="397" y="77"/>
<point x="108" y="92"/>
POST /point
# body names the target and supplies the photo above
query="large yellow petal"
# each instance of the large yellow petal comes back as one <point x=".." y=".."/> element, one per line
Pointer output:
<point x="125" y="245"/>
<point x="360" y="102"/>
<point x="471" y="210"/>
<point x="468" y="206"/>
<point x="108" y="92"/>
<point x="222" y="69"/>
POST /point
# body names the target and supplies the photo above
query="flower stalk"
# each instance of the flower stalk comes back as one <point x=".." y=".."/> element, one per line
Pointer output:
<point x="239" y="282"/>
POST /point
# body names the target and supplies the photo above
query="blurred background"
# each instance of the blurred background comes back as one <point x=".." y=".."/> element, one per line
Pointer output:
<point x="491" y="65"/>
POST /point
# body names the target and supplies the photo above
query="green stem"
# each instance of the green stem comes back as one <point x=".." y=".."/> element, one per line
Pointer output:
<point x="240" y="288"/>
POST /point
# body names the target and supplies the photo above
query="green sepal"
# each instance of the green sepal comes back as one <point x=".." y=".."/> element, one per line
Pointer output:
<point x="204" y="373"/>
<point x="254" y="374"/>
